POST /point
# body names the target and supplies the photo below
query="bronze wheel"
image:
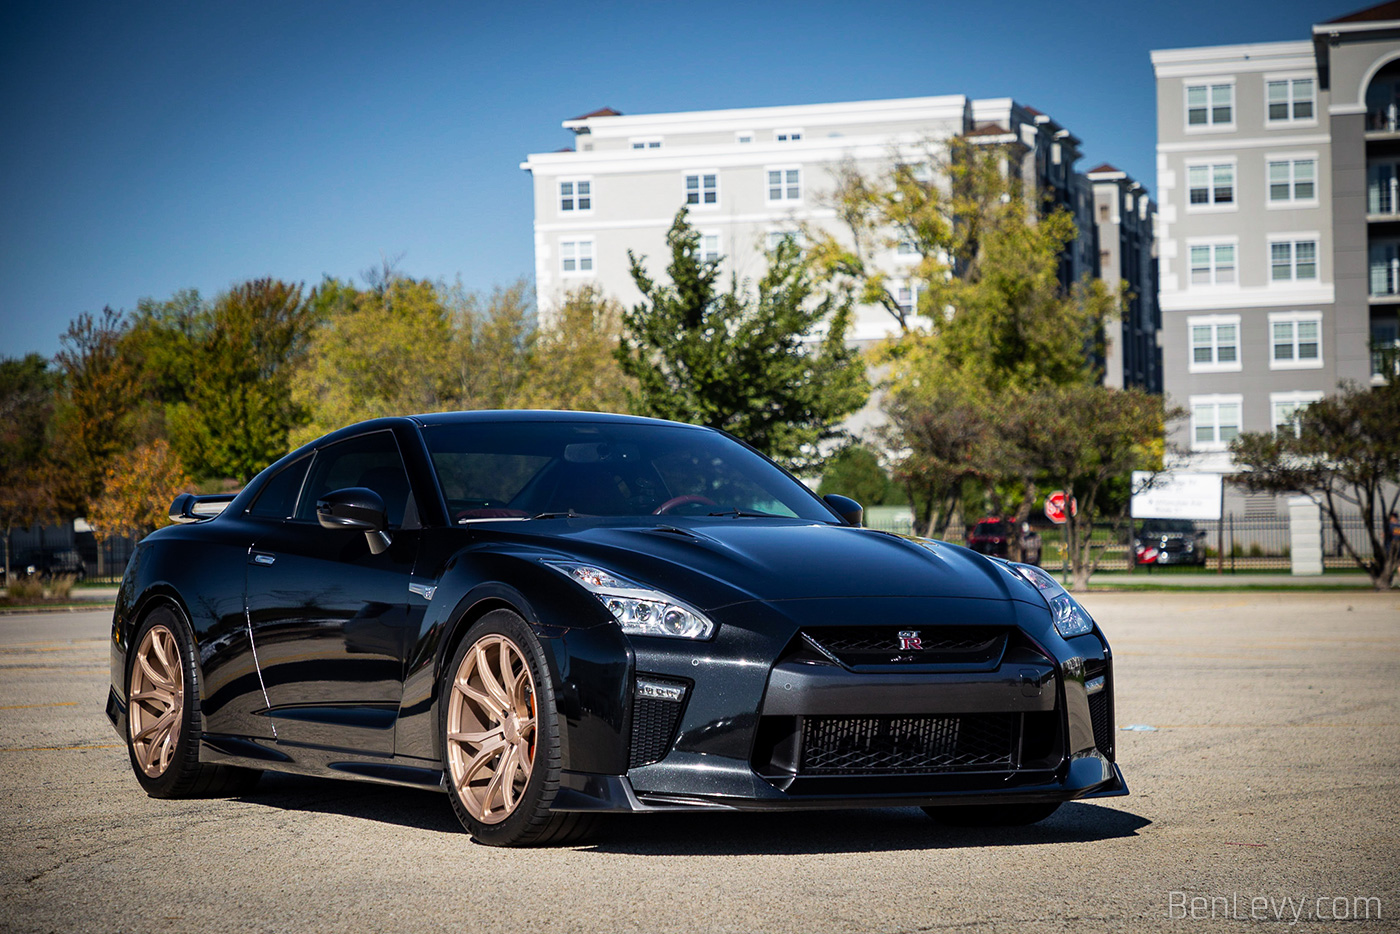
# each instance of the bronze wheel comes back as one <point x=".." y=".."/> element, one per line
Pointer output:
<point x="163" y="714"/>
<point x="500" y="737"/>
<point x="156" y="706"/>
<point x="491" y="728"/>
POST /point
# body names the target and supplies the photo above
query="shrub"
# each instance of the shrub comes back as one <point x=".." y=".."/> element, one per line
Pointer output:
<point x="25" y="589"/>
<point x="61" y="586"/>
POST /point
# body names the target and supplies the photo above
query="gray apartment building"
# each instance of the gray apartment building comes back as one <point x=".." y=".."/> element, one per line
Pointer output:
<point x="1278" y="225"/>
<point x="750" y="176"/>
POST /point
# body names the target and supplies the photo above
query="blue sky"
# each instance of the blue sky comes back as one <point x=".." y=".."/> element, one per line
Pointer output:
<point x="151" y="147"/>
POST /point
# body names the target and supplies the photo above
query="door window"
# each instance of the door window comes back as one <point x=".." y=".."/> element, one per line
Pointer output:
<point x="371" y="461"/>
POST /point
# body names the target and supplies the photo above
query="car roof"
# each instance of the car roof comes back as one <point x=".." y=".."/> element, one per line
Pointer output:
<point x="538" y="415"/>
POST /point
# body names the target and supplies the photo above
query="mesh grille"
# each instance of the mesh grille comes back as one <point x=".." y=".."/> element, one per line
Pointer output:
<point x="653" y="727"/>
<point x="875" y="645"/>
<point x="1103" y="726"/>
<point x="865" y="745"/>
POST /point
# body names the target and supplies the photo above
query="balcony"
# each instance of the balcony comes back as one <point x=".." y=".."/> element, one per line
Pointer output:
<point x="1385" y="272"/>
<point x="1385" y="360"/>
<point x="1383" y="193"/>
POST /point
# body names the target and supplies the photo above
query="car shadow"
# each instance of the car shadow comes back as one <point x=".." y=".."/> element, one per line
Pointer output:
<point x="388" y="804"/>
<point x="726" y="833"/>
<point x="862" y="831"/>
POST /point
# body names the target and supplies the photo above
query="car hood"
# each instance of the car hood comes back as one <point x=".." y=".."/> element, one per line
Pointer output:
<point x="715" y="562"/>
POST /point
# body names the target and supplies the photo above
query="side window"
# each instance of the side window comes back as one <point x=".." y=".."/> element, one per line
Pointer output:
<point x="278" y="498"/>
<point x="371" y="461"/>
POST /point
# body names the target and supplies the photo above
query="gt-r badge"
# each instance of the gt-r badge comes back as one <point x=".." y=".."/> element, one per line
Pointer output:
<point x="909" y="639"/>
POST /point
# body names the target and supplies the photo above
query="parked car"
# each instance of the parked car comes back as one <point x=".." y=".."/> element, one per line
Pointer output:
<point x="47" y="563"/>
<point x="993" y="537"/>
<point x="550" y="616"/>
<point x="1169" y="541"/>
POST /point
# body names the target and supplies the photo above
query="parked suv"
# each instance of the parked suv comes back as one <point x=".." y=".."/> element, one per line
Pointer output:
<point x="992" y="536"/>
<point x="1169" y="541"/>
<point x="48" y="562"/>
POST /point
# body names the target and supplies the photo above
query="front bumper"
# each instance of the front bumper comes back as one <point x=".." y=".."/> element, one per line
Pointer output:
<point x="1028" y="722"/>
<point x="1086" y="777"/>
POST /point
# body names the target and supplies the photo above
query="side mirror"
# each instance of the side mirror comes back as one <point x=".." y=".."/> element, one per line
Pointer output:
<point x="357" y="508"/>
<point x="846" y="508"/>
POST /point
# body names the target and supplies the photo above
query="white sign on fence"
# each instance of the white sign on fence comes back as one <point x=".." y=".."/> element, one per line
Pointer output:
<point x="1176" y="495"/>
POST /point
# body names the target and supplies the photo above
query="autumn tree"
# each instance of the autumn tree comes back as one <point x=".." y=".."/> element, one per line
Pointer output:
<point x="574" y="365"/>
<point x="95" y="414"/>
<point x="769" y="365"/>
<point x="1343" y="452"/>
<point x="137" y="491"/>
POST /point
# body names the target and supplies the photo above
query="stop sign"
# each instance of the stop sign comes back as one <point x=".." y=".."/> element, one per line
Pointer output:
<point x="1055" y="507"/>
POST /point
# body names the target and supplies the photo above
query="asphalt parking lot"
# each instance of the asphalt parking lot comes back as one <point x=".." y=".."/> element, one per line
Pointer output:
<point x="1266" y="794"/>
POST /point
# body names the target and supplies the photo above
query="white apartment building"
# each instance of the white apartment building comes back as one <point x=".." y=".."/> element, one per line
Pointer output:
<point x="1278" y="225"/>
<point x="749" y="176"/>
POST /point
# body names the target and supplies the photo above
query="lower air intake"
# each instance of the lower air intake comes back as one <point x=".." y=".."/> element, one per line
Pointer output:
<point x="895" y="745"/>
<point x="1103" y="725"/>
<point x="654" y="723"/>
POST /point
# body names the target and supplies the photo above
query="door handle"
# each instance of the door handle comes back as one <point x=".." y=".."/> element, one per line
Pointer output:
<point x="263" y="558"/>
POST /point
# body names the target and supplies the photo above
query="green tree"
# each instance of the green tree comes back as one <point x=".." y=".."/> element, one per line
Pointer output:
<point x="575" y="365"/>
<point x="386" y="351"/>
<point x="27" y="389"/>
<point x="237" y="410"/>
<point x="855" y="471"/>
<point x="1344" y="454"/>
<point x="755" y="365"/>
<point x="405" y="346"/>
<point x="1083" y="438"/>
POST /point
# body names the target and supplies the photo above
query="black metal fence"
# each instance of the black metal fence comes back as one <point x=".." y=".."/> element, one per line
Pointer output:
<point x="1232" y="545"/>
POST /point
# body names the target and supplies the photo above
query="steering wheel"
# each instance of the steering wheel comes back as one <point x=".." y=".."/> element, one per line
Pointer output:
<point x="675" y="501"/>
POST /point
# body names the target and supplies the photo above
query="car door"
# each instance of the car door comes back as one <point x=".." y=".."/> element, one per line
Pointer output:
<point x="329" y="618"/>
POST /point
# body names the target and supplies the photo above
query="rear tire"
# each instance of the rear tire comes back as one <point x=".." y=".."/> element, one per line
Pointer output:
<point x="162" y="716"/>
<point x="500" y="738"/>
<point x="991" y="815"/>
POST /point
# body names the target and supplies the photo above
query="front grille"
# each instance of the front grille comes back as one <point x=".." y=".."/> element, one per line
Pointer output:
<point x="901" y="745"/>
<point x="653" y="726"/>
<point x="883" y="645"/>
<point x="1103" y="724"/>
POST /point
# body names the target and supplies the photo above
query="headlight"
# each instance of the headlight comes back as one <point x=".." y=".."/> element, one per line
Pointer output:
<point x="640" y="611"/>
<point x="1070" y="618"/>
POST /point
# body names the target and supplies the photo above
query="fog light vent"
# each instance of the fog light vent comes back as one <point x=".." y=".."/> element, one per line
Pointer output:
<point x="656" y="711"/>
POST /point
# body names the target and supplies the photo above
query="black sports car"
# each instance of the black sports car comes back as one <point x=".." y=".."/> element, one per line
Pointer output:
<point x="556" y="615"/>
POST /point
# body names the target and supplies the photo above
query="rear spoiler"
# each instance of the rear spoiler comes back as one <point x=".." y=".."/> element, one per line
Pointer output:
<point x="190" y="508"/>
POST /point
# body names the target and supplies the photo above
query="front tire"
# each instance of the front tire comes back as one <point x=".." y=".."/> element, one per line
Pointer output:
<point x="500" y="737"/>
<point x="991" y="815"/>
<point x="162" y="707"/>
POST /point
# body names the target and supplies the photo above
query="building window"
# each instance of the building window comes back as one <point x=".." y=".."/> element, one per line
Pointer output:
<point x="1215" y="343"/>
<point x="1292" y="180"/>
<point x="1215" y="421"/>
<point x="906" y="296"/>
<point x="784" y="185"/>
<point x="1295" y="340"/>
<point x="576" y="257"/>
<point x="650" y="143"/>
<point x="787" y="136"/>
<point x="1213" y="264"/>
<point x="774" y="239"/>
<point x="1290" y="99"/>
<point x="1210" y="105"/>
<point x="709" y="248"/>
<point x="1209" y="184"/>
<point x="1293" y="261"/>
<point x="575" y="196"/>
<point x="702" y="189"/>
<point x="1285" y="407"/>
<point x="1385" y="268"/>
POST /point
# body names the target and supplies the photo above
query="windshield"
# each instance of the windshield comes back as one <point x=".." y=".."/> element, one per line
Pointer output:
<point x="498" y="470"/>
